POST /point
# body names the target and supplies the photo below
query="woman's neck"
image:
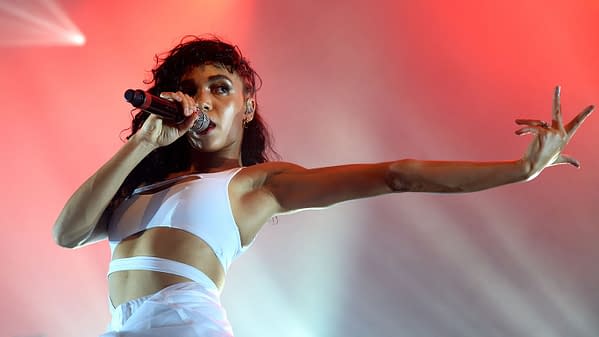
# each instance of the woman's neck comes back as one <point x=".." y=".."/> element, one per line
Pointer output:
<point x="208" y="162"/>
<point x="220" y="164"/>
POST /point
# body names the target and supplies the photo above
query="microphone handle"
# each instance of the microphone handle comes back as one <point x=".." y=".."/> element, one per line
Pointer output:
<point x="164" y="108"/>
<point x="168" y="110"/>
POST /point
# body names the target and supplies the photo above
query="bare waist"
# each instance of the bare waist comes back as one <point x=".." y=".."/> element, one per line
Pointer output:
<point x="140" y="276"/>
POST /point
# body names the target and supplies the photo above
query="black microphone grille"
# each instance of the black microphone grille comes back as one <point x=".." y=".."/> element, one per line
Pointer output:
<point x="135" y="97"/>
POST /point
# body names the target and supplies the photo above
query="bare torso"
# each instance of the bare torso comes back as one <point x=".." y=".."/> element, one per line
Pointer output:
<point x="167" y="243"/>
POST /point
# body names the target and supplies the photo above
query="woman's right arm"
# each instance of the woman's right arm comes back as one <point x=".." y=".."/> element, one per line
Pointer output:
<point x="83" y="219"/>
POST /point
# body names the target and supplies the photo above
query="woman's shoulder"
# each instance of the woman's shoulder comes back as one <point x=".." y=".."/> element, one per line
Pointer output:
<point x="264" y="170"/>
<point x="254" y="176"/>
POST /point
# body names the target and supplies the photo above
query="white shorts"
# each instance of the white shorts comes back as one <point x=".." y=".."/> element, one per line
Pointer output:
<point x="186" y="309"/>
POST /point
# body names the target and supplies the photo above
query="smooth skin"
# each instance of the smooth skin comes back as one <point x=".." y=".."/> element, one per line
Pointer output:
<point x="262" y="191"/>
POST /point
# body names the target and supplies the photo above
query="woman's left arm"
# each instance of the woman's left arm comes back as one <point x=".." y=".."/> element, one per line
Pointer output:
<point x="292" y="188"/>
<point x="544" y="150"/>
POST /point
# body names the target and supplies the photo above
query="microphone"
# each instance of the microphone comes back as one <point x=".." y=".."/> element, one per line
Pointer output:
<point x="168" y="110"/>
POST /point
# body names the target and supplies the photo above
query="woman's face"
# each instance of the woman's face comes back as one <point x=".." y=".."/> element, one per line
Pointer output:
<point x="222" y="93"/>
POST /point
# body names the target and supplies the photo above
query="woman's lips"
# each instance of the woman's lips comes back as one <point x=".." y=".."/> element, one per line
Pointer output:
<point x="208" y="129"/>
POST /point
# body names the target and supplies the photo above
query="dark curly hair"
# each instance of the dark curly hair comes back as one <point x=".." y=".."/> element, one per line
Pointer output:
<point x="191" y="52"/>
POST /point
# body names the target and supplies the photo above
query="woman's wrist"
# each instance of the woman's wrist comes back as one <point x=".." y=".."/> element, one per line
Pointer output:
<point x="143" y="143"/>
<point x="525" y="169"/>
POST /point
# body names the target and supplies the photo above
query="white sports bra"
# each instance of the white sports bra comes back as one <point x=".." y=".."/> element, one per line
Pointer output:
<point x="200" y="207"/>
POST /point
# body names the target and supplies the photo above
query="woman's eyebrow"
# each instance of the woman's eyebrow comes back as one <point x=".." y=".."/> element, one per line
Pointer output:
<point x="219" y="77"/>
<point x="190" y="82"/>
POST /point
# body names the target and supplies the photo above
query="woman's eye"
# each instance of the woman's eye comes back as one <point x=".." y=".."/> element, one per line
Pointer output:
<point x="221" y="89"/>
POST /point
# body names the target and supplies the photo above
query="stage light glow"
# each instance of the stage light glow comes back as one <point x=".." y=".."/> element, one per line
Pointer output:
<point x="78" y="39"/>
<point x="37" y="22"/>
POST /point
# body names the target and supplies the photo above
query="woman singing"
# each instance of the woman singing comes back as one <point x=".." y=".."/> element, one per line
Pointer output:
<point x="178" y="205"/>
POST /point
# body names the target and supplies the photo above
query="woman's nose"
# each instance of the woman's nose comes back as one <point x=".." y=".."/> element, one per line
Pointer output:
<point x="205" y="106"/>
<point x="204" y="102"/>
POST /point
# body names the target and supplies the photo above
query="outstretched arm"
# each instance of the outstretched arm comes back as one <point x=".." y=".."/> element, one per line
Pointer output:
<point x="544" y="150"/>
<point x="294" y="188"/>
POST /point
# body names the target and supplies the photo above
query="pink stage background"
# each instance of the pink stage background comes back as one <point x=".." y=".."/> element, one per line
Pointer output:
<point x="344" y="81"/>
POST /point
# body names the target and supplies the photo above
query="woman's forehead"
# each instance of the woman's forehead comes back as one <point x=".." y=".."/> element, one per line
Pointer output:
<point x="209" y="70"/>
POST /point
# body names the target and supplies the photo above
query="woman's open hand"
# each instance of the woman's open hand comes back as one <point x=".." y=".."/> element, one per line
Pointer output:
<point x="549" y="140"/>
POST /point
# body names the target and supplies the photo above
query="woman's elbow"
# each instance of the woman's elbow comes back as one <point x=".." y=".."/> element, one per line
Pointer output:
<point x="61" y="238"/>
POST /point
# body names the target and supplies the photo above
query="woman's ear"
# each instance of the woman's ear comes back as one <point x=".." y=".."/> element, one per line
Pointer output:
<point x="250" y="107"/>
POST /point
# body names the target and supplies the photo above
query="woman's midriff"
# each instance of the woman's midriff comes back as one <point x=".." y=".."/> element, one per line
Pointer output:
<point x="167" y="243"/>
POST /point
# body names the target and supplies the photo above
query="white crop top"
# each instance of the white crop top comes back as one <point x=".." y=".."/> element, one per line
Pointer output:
<point x="200" y="207"/>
